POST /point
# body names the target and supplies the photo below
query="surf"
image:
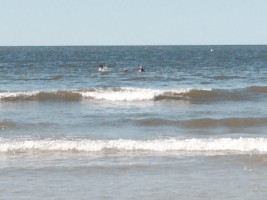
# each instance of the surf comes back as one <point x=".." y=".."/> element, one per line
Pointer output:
<point x="186" y="145"/>
<point x="103" y="94"/>
<point x="131" y="94"/>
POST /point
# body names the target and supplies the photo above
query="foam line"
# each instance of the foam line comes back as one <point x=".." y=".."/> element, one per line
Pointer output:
<point x="239" y="145"/>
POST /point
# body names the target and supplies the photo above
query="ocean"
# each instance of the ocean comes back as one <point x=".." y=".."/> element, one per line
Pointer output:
<point x="192" y="126"/>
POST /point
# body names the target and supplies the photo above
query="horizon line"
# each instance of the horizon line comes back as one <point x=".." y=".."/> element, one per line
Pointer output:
<point x="127" y="45"/>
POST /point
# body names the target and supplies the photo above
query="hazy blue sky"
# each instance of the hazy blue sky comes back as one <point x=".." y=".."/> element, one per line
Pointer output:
<point x="132" y="22"/>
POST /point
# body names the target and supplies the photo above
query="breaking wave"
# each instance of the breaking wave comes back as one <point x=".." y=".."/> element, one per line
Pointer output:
<point x="105" y="94"/>
<point x="134" y="94"/>
<point x="221" y="145"/>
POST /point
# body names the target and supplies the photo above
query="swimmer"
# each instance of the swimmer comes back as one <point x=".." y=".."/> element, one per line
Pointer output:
<point x="142" y="69"/>
<point x="101" y="68"/>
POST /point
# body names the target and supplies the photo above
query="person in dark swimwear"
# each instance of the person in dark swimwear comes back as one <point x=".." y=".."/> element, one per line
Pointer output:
<point x="101" y="68"/>
<point x="141" y="69"/>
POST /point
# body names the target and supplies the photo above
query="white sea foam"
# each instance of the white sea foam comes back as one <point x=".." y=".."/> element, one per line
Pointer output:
<point x="129" y="94"/>
<point x="222" y="145"/>
<point x="17" y="94"/>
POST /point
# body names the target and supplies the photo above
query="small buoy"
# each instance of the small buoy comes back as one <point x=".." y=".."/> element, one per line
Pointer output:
<point x="211" y="50"/>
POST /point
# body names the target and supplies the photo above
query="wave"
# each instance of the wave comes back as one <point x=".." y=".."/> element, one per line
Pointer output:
<point x="105" y="94"/>
<point x="207" y="123"/>
<point x="220" y="145"/>
<point x="134" y="94"/>
<point x="258" y="89"/>
<point x="40" y="96"/>
<point x="196" y="96"/>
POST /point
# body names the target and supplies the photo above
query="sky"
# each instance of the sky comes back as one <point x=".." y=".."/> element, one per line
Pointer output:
<point x="132" y="22"/>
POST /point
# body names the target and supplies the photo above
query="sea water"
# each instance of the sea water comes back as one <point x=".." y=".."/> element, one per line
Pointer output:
<point x="192" y="126"/>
